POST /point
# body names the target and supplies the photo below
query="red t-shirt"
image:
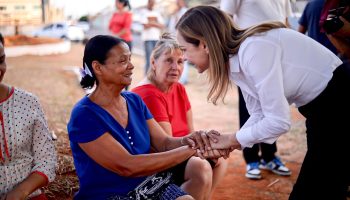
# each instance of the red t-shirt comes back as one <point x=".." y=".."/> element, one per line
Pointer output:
<point x="169" y="107"/>
<point x="121" y="21"/>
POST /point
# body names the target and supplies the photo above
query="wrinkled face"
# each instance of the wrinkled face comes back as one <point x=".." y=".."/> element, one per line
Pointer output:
<point x="2" y="62"/>
<point x="117" y="68"/>
<point x="198" y="56"/>
<point x="168" y="67"/>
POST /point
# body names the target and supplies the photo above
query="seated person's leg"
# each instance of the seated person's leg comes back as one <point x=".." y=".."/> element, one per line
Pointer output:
<point x="219" y="172"/>
<point x="198" y="178"/>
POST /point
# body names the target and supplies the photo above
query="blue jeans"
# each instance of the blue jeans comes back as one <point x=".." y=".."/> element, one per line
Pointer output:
<point x="149" y="45"/>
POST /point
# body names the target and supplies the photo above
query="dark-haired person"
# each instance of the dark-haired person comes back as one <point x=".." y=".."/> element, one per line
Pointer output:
<point x="167" y="100"/>
<point x="111" y="133"/>
<point x="275" y="67"/>
<point x="27" y="152"/>
<point x="337" y="31"/>
<point x="309" y="23"/>
<point x="120" y="23"/>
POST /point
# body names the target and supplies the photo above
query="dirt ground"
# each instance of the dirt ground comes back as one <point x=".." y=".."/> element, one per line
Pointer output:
<point x="53" y="81"/>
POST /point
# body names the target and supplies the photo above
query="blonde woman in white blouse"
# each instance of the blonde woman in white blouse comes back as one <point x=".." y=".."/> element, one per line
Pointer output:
<point x="276" y="67"/>
<point x="27" y="152"/>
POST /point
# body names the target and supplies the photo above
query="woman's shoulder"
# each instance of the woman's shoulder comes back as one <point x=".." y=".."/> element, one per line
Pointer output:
<point x="82" y="104"/>
<point x="24" y="95"/>
<point x="131" y="96"/>
<point x="145" y="90"/>
<point x="178" y="87"/>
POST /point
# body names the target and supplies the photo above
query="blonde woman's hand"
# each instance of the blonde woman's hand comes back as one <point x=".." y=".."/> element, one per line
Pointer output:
<point x="224" y="141"/>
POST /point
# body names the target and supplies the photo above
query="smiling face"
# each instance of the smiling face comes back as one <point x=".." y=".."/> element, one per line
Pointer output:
<point x="117" y="68"/>
<point x="168" y="67"/>
<point x="197" y="55"/>
<point x="2" y="62"/>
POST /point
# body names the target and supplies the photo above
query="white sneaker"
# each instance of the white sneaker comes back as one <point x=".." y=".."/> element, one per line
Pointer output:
<point x="253" y="171"/>
<point x="276" y="166"/>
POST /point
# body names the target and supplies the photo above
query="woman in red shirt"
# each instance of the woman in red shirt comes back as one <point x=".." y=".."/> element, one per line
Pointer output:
<point x="120" y="23"/>
<point x="167" y="100"/>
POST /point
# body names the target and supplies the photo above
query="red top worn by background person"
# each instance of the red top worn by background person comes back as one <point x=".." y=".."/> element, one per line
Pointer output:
<point x="120" y="21"/>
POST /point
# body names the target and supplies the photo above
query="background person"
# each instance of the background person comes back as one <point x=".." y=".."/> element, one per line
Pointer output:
<point x="153" y="25"/>
<point x="169" y="104"/>
<point x="120" y="23"/>
<point x="27" y="152"/>
<point x="274" y="69"/>
<point x="338" y="35"/>
<point x="245" y="14"/>
<point x="181" y="8"/>
<point x="309" y="23"/>
<point x="111" y="133"/>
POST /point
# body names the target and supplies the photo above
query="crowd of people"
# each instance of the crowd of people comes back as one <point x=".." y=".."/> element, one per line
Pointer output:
<point x="142" y="144"/>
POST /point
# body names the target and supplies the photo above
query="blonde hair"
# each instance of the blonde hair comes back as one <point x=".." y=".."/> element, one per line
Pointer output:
<point x="223" y="38"/>
<point x="164" y="44"/>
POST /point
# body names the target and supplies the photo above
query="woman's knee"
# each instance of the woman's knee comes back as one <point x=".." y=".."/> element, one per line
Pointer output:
<point x="200" y="170"/>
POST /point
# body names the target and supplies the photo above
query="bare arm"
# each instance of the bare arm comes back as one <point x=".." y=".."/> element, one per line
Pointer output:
<point x="162" y="140"/>
<point x="121" y="32"/>
<point x="341" y="39"/>
<point x="166" y="126"/>
<point x="109" y="153"/>
<point x="302" y="29"/>
<point x="344" y="31"/>
<point x="341" y="44"/>
<point x="33" y="182"/>
<point x="153" y="24"/>
<point x="189" y="117"/>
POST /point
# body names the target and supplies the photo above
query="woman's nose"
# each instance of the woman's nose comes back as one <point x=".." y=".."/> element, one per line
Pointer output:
<point x="131" y="66"/>
<point x="174" y="65"/>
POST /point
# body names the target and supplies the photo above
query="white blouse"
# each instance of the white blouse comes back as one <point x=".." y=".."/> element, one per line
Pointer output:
<point x="247" y="13"/>
<point x="25" y="143"/>
<point x="275" y="69"/>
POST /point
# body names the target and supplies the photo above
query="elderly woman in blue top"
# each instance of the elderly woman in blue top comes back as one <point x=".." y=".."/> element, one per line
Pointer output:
<point x="112" y="133"/>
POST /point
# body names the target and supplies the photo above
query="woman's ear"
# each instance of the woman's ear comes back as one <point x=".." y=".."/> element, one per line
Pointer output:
<point x="153" y="64"/>
<point x="204" y="45"/>
<point x="96" y="66"/>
